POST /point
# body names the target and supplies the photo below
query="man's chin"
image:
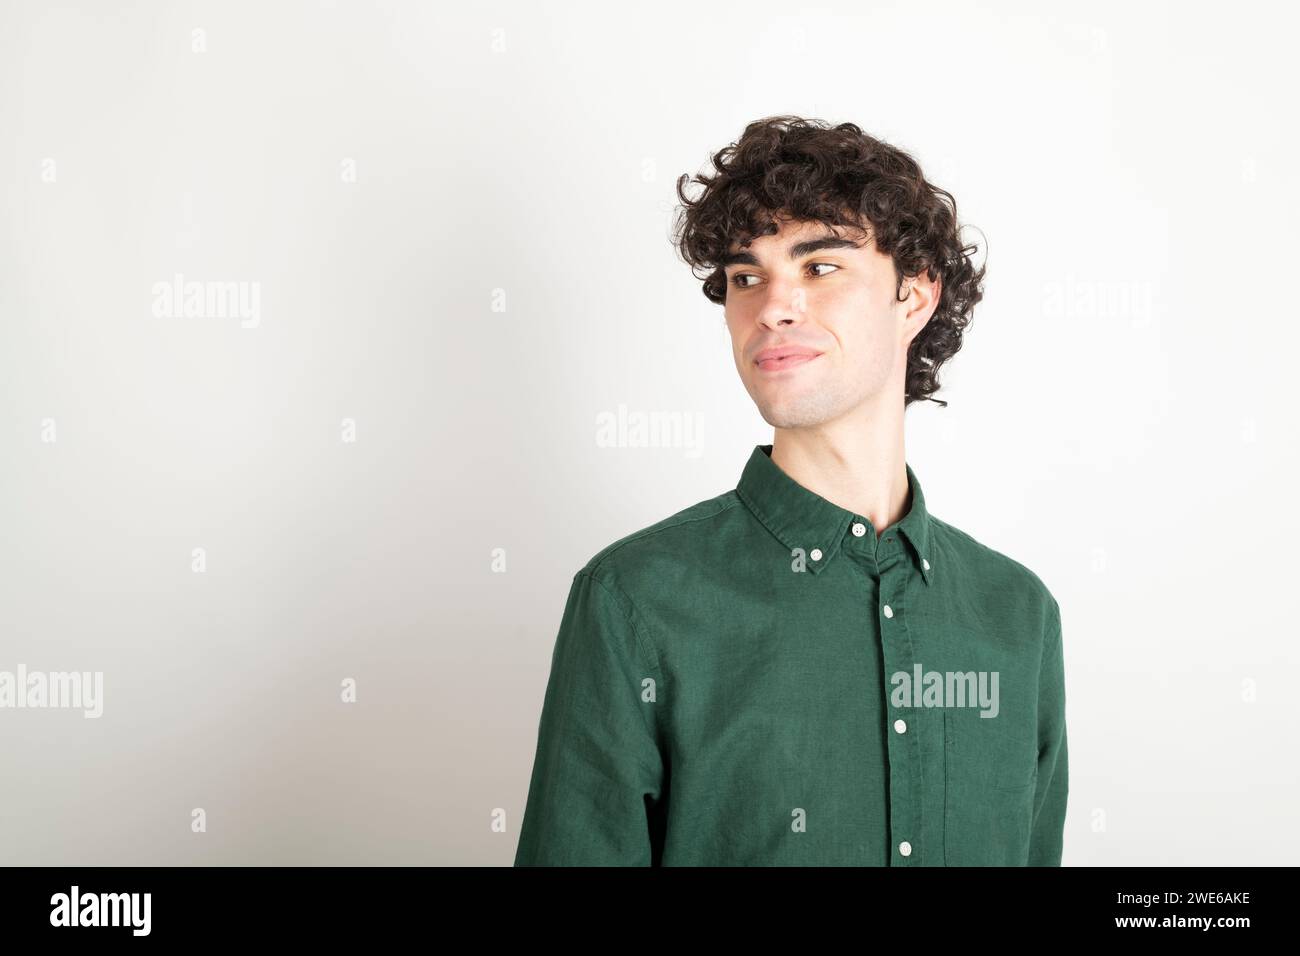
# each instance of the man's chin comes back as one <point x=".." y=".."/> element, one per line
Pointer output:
<point x="794" y="415"/>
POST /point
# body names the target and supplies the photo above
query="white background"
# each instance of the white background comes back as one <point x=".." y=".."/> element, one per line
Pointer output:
<point x="1120" y="417"/>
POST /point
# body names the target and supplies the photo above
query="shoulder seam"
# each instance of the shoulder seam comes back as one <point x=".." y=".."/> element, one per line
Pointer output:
<point x="595" y="563"/>
<point x="1034" y="575"/>
<point x="628" y="608"/>
<point x="643" y="642"/>
<point x="1053" y="649"/>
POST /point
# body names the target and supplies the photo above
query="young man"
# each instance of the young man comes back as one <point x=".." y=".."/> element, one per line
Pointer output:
<point x="811" y="668"/>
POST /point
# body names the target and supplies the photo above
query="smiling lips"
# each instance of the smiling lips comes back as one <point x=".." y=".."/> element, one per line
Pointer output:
<point x="784" y="357"/>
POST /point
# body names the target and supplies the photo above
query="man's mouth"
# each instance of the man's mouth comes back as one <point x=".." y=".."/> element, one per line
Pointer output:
<point x="784" y="362"/>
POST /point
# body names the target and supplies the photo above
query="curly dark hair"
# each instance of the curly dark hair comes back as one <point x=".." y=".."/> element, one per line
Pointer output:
<point x="808" y="170"/>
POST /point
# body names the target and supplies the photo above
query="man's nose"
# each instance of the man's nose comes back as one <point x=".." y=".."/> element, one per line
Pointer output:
<point x="785" y="305"/>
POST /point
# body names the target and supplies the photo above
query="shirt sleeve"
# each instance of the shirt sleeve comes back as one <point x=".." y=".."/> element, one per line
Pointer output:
<point x="1051" y="793"/>
<point x="598" y="769"/>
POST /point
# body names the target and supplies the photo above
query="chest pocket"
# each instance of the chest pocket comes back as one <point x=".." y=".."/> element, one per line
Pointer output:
<point x="990" y="774"/>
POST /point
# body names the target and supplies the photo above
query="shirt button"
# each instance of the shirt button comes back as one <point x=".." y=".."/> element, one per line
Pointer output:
<point x="900" y="726"/>
<point x="816" y="554"/>
<point x="889" y="611"/>
<point x="859" y="529"/>
<point x="925" y="564"/>
<point x="905" y="848"/>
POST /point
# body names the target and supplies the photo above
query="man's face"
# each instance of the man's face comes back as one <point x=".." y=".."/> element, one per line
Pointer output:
<point x="807" y="287"/>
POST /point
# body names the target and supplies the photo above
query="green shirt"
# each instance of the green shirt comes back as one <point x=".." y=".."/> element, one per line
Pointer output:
<point x="732" y="686"/>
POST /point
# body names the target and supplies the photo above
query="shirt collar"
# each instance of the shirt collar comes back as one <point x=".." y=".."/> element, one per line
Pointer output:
<point x="800" y="518"/>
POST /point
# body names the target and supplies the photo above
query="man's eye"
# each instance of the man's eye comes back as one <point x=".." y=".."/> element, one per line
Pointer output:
<point x="738" y="279"/>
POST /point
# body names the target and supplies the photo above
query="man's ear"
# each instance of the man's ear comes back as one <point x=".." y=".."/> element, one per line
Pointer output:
<point x="921" y="295"/>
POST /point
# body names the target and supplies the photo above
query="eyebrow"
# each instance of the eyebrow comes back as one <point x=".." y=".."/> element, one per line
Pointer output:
<point x="797" y="251"/>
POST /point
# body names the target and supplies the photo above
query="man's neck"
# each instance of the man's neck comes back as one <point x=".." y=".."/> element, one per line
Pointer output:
<point x="859" y="467"/>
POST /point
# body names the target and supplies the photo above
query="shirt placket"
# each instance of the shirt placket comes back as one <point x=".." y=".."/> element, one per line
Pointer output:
<point x="898" y="655"/>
